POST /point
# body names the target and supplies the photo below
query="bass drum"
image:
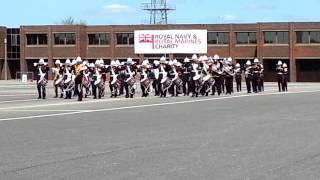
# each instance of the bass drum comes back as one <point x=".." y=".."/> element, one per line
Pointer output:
<point x="101" y="88"/>
<point x="198" y="84"/>
<point x="146" y="84"/>
<point x="208" y="84"/>
<point x="130" y="82"/>
<point x="178" y="82"/>
<point x="69" y="85"/>
<point x="166" y="84"/>
<point x="43" y="82"/>
<point x="179" y="85"/>
<point x="116" y="84"/>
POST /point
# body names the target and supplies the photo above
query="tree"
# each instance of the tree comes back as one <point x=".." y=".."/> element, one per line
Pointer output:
<point x="71" y="21"/>
<point x="68" y="21"/>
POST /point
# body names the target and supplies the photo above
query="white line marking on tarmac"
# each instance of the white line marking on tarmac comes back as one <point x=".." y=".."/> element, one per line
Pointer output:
<point x="23" y="100"/>
<point x="42" y="110"/>
<point x="69" y="103"/>
<point x="10" y="95"/>
<point x="153" y="105"/>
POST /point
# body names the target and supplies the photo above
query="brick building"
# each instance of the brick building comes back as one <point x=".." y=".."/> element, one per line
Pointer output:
<point x="297" y="44"/>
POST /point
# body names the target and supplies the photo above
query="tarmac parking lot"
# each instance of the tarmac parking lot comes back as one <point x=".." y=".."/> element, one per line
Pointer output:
<point x="269" y="135"/>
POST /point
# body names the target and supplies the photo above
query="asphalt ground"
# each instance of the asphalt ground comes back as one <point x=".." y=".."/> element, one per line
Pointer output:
<point x="269" y="135"/>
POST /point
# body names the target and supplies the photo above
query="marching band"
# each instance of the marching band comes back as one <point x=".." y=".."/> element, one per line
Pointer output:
<point x="195" y="76"/>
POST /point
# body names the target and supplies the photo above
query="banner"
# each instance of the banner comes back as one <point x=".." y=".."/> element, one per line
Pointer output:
<point x="170" y="42"/>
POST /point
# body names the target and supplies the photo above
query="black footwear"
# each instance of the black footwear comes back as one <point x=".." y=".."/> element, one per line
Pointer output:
<point x="39" y="97"/>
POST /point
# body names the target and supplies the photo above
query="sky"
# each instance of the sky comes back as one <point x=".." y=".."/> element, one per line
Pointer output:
<point x="105" y="12"/>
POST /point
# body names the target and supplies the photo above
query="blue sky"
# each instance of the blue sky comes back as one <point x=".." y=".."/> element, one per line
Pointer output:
<point x="43" y="12"/>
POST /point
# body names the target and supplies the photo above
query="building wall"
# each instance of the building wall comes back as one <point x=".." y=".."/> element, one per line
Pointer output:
<point x="268" y="52"/>
<point x="3" y="33"/>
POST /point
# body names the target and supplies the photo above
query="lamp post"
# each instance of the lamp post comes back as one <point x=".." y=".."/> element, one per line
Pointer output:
<point x="5" y="60"/>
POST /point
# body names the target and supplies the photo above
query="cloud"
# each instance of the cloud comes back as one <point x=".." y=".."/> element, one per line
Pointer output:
<point x="116" y="8"/>
<point x="228" y="17"/>
<point x="261" y="7"/>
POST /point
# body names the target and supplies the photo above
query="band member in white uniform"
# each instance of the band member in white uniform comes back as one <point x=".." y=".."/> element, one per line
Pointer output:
<point x="41" y="77"/>
<point x="58" y="78"/>
<point x="238" y="77"/>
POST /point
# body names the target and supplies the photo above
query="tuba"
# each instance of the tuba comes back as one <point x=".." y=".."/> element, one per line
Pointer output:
<point x="229" y="71"/>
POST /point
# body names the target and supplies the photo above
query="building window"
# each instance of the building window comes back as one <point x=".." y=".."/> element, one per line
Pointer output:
<point x="246" y="38"/>
<point x="32" y="39"/>
<point x="37" y="39"/>
<point x="308" y="37"/>
<point x="15" y="39"/>
<point x="125" y="38"/>
<point x="42" y="39"/>
<point x="218" y="38"/>
<point x="276" y="37"/>
<point x="64" y="38"/>
<point x="99" y="39"/>
<point x="315" y="37"/>
<point x="309" y="65"/>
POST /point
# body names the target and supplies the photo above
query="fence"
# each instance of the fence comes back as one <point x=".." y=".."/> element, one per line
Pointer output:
<point x="24" y="76"/>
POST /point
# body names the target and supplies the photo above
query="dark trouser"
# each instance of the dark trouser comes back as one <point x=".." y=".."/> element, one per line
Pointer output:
<point x="122" y="86"/>
<point x="162" y="93"/>
<point x="129" y="90"/>
<point x="174" y="90"/>
<point x="216" y="86"/>
<point x="280" y="82"/>
<point x="229" y="84"/>
<point x="186" y="85"/>
<point x="255" y="83"/>
<point x="156" y="87"/>
<point x="113" y="90"/>
<point x="248" y="84"/>
<point x="56" y="87"/>
<point x="68" y="93"/>
<point x="222" y="83"/>
<point x="261" y="84"/>
<point x="238" y="81"/>
<point x="78" y="81"/>
<point x="144" y="91"/>
<point x="94" y="90"/>
<point x="285" y="83"/>
<point x="195" y="86"/>
<point x="43" y="89"/>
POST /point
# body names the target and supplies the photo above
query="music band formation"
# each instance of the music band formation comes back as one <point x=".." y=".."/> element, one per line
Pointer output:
<point x="198" y="76"/>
